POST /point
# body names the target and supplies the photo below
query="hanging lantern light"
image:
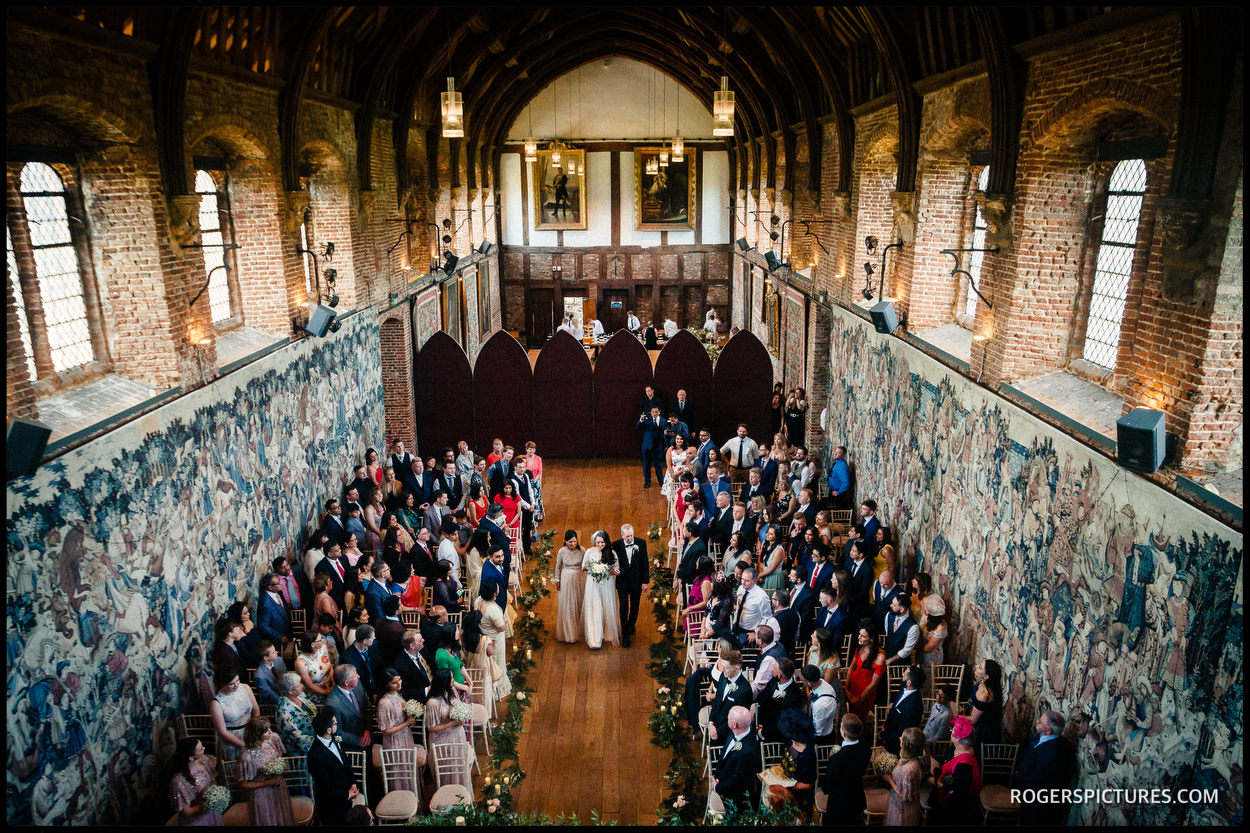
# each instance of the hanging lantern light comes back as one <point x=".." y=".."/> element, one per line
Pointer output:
<point x="679" y="148"/>
<point x="581" y="169"/>
<point x="723" y="109"/>
<point x="453" y="111"/>
<point x="531" y="149"/>
<point x="653" y="165"/>
<point x="555" y="154"/>
<point x="664" y="159"/>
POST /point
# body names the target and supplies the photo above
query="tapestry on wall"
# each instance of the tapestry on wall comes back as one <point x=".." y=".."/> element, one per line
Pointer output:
<point x="472" y="321"/>
<point x="122" y="555"/>
<point x="426" y="315"/>
<point x="1099" y="594"/>
<point x="794" y="337"/>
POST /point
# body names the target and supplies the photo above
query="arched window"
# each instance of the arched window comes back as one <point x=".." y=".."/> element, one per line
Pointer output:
<point x="63" y="335"/>
<point x="216" y="234"/>
<point x="1114" y="262"/>
<point x="977" y="258"/>
<point x="305" y="239"/>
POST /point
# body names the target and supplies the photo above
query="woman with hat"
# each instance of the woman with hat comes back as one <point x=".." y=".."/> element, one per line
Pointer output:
<point x="797" y="727"/>
<point x="572" y="584"/>
<point x="932" y="652"/>
<point x="957" y="784"/>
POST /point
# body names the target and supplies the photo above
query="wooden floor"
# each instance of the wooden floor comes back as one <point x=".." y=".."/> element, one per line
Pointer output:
<point x="587" y="746"/>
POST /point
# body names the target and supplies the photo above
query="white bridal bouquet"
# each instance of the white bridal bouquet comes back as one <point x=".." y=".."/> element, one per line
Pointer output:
<point x="414" y="708"/>
<point x="461" y="712"/>
<point x="600" y="571"/>
<point x="216" y="799"/>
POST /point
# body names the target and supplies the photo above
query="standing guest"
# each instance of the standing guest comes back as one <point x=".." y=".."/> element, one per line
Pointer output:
<point x="396" y="541"/>
<point x="753" y="608"/>
<point x="650" y="399"/>
<point x="843" y="781"/>
<point x="905" y="712"/>
<point x="464" y="460"/>
<point x="739" y="547"/>
<point x="478" y="654"/>
<point x="884" y="589"/>
<point x="356" y="617"/>
<point x="476" y="505"/>
<point x="295" y="714"/>
<point x="360" y="656"/>
<point x="232" y="707"/>
<point x="732" y="690"/>
<point x="861" y="584"/>
<point x="351" y="550"/>
<point x="885" y="559"/>
<point x="449" y="481"/>
<point x="479" y="475"/>
<point x="422" y="555"/>
<point x="719" y="524"/>
<point x="571" y="582"/>
<point x="449" y="548"/>
<point x="802" y="469"/>
<point x="938" y="726"/>
<point x="650" y="337"/>
<point x="395" y="726"/>
<point x="524" y="484"/>
<point x="353" y="521"/>
<point x="270" y="670"/>
<point x="446" y="588"/>
<point x="407" y="586"/>
<point x="771" y="653"/>
<point x="903" y="806"/>
<point x="781" y="694"/>
<point x="702" y="451"/>
<point x="901" y="633"/>
<point x="867" y="670"/>
<point x="392" y="488"/>
<point x="434" y="515"/>
<point x="868" y="517"/>
<point x="834" y="615"/>
<point x="194" y="772"/>
<point x="442" y="729"/>
<point x="508" y="501"/>
<point x="934" y="631"/>
<point x="247" y="644"/>
<point x="632" y="323"/>
<point x="987" y="701"/>
<point x="376" y="586"/>
<point x="360" y="483"/>
<point x="289" y="583"/>
<point x="771" y="462"/>
<point x="1045" y="764"/>
<point x="787" y="620"/>
<point x="824" y="704"/>
<point x="336" y="569"/>
<point x="825" y="653"/>
<point x="599" y="598"/>
<point x="651" y="426"/>
<point x="632" y="580"/>
<point x="275" y="618"/>
<point x="315" y="552"/>
<point x="685" y="413"/>
<point x="475" y="555"/>
<point x="919" y="587"/>
<point x="348" y="703"/>
<point x="400" y="460"/>
<point x="334" y="785"/>
<point x="854" y="538"/>
<point x="957" y="783"/>
<point x="269" y="803"/>
<point x="806" y="508"/>
<point x="333" y="524"/>
<point x="413" y="666"/>
<point x="776" y="414"/>
<point x="772" y="562"/>
<point x="389" y="629"/>
<point x="784" y="505"/>
<point x="500" y="471"/>
<point x="226" y="652"/>
<point x="374" y="529"/>
<point x="675" y="428"/>
<point x="693" y="550"/>
<point x="794" y="423"/>
<point x="700" y="589"/>
<point x="752" y="487"/>
<point x="495" y="628"/>
<point x="741" y="452"/>
<point x="314" y="668"/>
<point x="494" y="577"/>
<point x="323" y="602"/>
<point x="739" y="762"/>
<point x="839" y="481"/>
<point x="534" y="467"/>
<point x="716" y="483"/>
<point x="421" y="483"/>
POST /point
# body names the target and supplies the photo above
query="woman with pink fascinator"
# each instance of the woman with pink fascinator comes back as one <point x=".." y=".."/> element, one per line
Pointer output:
<point x="957" y="784"/>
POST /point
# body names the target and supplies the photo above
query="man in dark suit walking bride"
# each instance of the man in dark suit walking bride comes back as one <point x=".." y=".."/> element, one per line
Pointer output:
<point x="632" y="579"/>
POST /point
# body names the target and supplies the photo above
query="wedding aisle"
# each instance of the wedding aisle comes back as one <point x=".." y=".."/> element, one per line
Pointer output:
<point x="587" y="746"/>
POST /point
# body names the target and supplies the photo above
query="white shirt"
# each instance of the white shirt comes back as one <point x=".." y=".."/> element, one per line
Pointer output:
<point x="756" y="608"/>
<point x="310" y="562"/>
<point x="570" y="328"/>
<point x="750" y="450"/>
<point x="765" y="673"/>
<point x="332" y="746"/>
<point x="913" y="633"/>
<point x="802" y="477"/>
<point x="447" y="552"/>
<point x="633" y="323"/>
<point x="596" y="328"/>
<point x="670" y="328"/>
<point x="824" y="708"/>
<point x="903" y="696"/>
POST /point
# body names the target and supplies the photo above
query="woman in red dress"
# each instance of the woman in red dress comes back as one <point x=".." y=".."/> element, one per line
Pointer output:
<point x="508" y="500"/>
<point x="867" y="669"/>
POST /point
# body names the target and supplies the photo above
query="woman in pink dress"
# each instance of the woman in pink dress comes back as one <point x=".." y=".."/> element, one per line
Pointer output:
<point x="903" y="806"/>
<point x="268" y="799"/>
<point x="193" y="774"/>
<point x="395" y="725"/>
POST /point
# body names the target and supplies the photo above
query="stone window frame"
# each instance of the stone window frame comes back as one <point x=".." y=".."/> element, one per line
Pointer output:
<point x="47" y="378"/>
<point x="972" y="261"/>
<point x="218" y="170"/>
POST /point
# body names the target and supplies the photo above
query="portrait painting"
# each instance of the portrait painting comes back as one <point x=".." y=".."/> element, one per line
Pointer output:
<point x="664" y="200"/>
<point x="559" y="189"/>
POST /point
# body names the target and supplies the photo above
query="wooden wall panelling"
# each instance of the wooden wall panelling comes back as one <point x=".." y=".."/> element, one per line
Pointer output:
<point x="621" y="372"/>
<point x="443" y="386"/>
<point x="563" y="399"/>
<point x="503" y="393"/>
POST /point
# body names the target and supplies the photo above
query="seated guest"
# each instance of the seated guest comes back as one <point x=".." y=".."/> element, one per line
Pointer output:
<point x="938" y="726"/>
<point x="389" y="629"/>
<point x="361" y="656"/>
<point x="796" y="729"/>
<point x="412" y="666"/>
<point x="334" y="785"/>
<point x="736" y="771"/>
<point x="901" y="633"/>
<point x="906" y="712"/>
<point x="1045" y="764"/>
<point x="349" y="705"/>
<point x="824" y="702"/>
<point x="275" y="618"/>
<point x="446" y="590"/>
<point x="270" y="670"/>
<point x="780" y="694"/>
<point x="843" y="781"/>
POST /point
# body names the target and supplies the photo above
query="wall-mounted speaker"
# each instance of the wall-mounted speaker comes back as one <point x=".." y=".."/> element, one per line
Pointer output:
<point x="24" y="446"/>
<point x="884" y="318"/>
<point x="449" y="265"/>
<point x="320" y="320"/>
<point x="485" y="248"/>
<point x="1141" y="440"/>
<point x="742" y="244"/>
<point x="773" y="260"/>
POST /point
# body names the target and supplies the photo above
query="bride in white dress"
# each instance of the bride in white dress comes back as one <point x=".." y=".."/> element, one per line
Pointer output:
<point x="680" y="458"/>
<point x="603" y="622"/>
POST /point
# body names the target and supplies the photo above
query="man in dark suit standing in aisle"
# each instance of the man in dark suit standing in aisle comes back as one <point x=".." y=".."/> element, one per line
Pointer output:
<point x="685" y="413"/>
<point x="335" y="787"/>
<point x="633" y="577"/>
<point x="652" y="428"/>
<point x="843" y="781"/>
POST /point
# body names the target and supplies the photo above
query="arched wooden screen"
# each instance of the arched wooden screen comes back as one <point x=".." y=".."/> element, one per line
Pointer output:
<point x="621" y="372"/>
<point x="503" y="394"/>
<point x="563" y="399"/>
<point x="443" y="384"/>
<point x="683" y="364"/>
<point x="744" y="388"/>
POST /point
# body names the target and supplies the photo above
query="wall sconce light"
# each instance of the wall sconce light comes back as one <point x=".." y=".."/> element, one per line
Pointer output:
<point x="972" y="284"/>
<point x="742" y="243"/>
<point x="453" y="111"/>
<point x="870" y="244"/>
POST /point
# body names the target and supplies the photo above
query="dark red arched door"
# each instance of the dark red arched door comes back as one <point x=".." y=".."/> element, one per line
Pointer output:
<point x="503" y="394"/>
<point x="621" y="372"/>
<point x="683" y="364"/>
<point x="744" y="389"/>
<point x="563" y="399"/>
<point x="443" y="384"/>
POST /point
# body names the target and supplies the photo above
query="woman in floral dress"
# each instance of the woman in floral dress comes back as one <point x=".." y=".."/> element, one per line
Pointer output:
<point x="268" y="799"/>
<point x="295" y="715"/>
<point x="396" y="727"/>
<point x="193" y="774"/>
<point x="312" y="663"/>
<point x="442" y="729"/>
<point x="903" y="806"/>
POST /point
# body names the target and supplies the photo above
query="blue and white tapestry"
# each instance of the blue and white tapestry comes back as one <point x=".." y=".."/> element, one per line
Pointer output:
<point x="123" y="553"/>
<point x="1100" y="594"/>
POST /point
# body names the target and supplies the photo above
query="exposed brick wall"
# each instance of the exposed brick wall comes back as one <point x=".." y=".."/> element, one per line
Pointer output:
<point x="876" y="143"/>
<point x="397" y="390"/>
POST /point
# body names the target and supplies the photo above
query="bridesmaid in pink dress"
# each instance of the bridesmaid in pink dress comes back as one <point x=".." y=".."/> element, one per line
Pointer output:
<point x="395" y="725"/>
<point x="268" y="799"/>
<point x="193" y="774"/>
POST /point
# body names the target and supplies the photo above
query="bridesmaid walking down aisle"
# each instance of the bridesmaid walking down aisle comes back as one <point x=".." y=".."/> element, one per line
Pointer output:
<point x="571" y="580"/>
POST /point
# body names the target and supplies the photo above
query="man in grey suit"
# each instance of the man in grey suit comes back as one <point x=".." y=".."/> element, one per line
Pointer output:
<point x="347" y="701"/>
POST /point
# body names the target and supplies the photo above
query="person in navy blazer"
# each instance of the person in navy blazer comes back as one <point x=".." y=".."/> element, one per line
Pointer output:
<point x="496" y="535"/>
<point x="652" y="428"/>
<point x="377" y="591"/>
<point x="716" y="483"/>
<point x="273" y="620"/>
<point x="768" y="473"/>
<point x="335" y="785"/>
<point x="1046" y="764"/>
<point x="332" y="525"/>
<point x="868" y="512"/>
<point x="860" y="570"/>
<point x="361" y="656"/>
<point x="843" y="781"/>
<point x="701" y="453"/>
<point x="906" y="711"/>
<point x="834" y="618"/>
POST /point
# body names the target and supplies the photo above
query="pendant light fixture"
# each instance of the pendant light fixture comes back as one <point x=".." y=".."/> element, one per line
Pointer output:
<point x="531" y="141"/>
<point x="555" y="130"/>
<point x="679" y="147"/>
<point x="723" y="109"/>
<point x="453" y="111"/>
<point x="663" y="120"/>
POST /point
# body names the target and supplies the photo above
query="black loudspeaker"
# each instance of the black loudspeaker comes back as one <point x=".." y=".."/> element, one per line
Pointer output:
<point x="449" y="265"/>
<point x="742" y="244"/>
<point x="884" y="318"/>
<point x="25" y="443"/>
<point x="485" y="248"/>
<point x="320" y="320"/>
<point x="772" y="259"/>
<point x="1141" y="440"/>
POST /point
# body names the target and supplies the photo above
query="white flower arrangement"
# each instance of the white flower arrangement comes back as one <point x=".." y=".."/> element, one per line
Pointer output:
<point x="273" y="767"/>
<point x="600" y="571"/>
<point x="414" y="708"/>
<point x="216" y="799"/>
<point x="461" y="712"/>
